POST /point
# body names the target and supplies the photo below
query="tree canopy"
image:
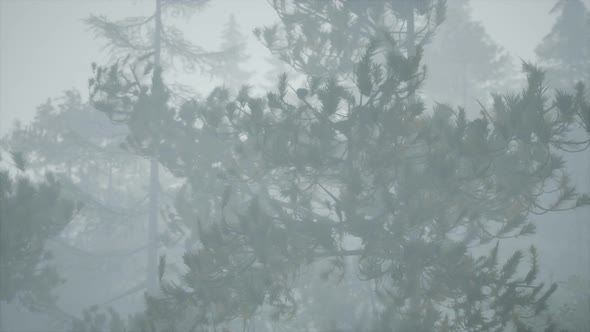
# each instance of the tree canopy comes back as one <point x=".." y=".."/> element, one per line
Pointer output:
<point x="331" y="170"/>
<point x="31" y="212"/>
<point x="339" y="180"/>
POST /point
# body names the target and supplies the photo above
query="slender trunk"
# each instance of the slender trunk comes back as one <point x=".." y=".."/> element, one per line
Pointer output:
<point x="415" y="271"/>
<point x="152" y="252"/>
<point x="110" y="188"/>
<point x="2" y="303"/>
<point x="411" y="33"/>
<point x="152" y="280"/>
<point x="69" y="171"/>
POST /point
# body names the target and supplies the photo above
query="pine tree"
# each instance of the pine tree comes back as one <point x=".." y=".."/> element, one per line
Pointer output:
<point x="328" y="37"/>
<point x="31" y="213"/>
<point x="464" y="64"/>
<point x="148" y="44"/>
<point x="565" y="51"/>
<point x="229" y="66"/>
<point x="83" y="148"/>
<point x="355" y="168"/>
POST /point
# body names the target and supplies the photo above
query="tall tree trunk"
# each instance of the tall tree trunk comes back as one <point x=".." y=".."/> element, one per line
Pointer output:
<point x="411" y="33"/>
<point x="110" y="188"/>
<point x="152" y="252"/>
<point x="415" y="271"/>
<point x="2" y="304"/>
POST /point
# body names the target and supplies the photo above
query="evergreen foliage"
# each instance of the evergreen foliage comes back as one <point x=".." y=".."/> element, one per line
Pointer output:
<point x="30" y="214"/>
<point x="328" y="37"/>
<point x="464" y="63"/>
<point x="566" y="49"/>
<point x="134" y="36"/>
<point x="229" y="65"/>
<point x="308" y="175"/>
<point x="148" y="44"/>
<point x="351" y="165"/>
<point x="83" y="149"/>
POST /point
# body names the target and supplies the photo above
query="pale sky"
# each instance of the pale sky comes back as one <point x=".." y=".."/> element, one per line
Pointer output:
<point x="46" y="49"/>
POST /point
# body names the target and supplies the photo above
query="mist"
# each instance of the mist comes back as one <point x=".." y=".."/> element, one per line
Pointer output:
<point x="294" y="165"/>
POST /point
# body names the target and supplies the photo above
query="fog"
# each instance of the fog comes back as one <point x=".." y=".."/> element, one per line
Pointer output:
<point x="294" y="165"/>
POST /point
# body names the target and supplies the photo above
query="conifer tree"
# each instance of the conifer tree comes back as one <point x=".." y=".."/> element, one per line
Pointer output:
<point x="276" y="68"/>
<point x="328" y="37"/>
<point x="565" y="51"/>
<point x="464" y="64"/>
<point x="31" y="213"/>
<point x="82" y="147"/>
<point x="149" y="43"/>
<point x="229" y="65"/>
<point x="356" y="169"/>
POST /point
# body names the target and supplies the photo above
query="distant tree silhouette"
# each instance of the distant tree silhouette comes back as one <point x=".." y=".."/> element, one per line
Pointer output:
<point x="229" y="65"/>
<point x="565" y="51"/>
<point x="464" y="64"/>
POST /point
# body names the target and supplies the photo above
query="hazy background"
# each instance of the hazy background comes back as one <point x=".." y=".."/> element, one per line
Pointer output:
<point x="46" y="47"/>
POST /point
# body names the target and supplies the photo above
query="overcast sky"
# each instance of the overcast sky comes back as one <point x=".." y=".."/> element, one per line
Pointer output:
<point x="46" y="48"/>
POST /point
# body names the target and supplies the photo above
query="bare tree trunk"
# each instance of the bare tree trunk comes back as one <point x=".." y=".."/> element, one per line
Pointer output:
<point x="411" y="33"/>
<point x="152" y="252"/>
<point x="110" y="188"/>
<point x="2" y="303"/>
<point x="416" y="270"/>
